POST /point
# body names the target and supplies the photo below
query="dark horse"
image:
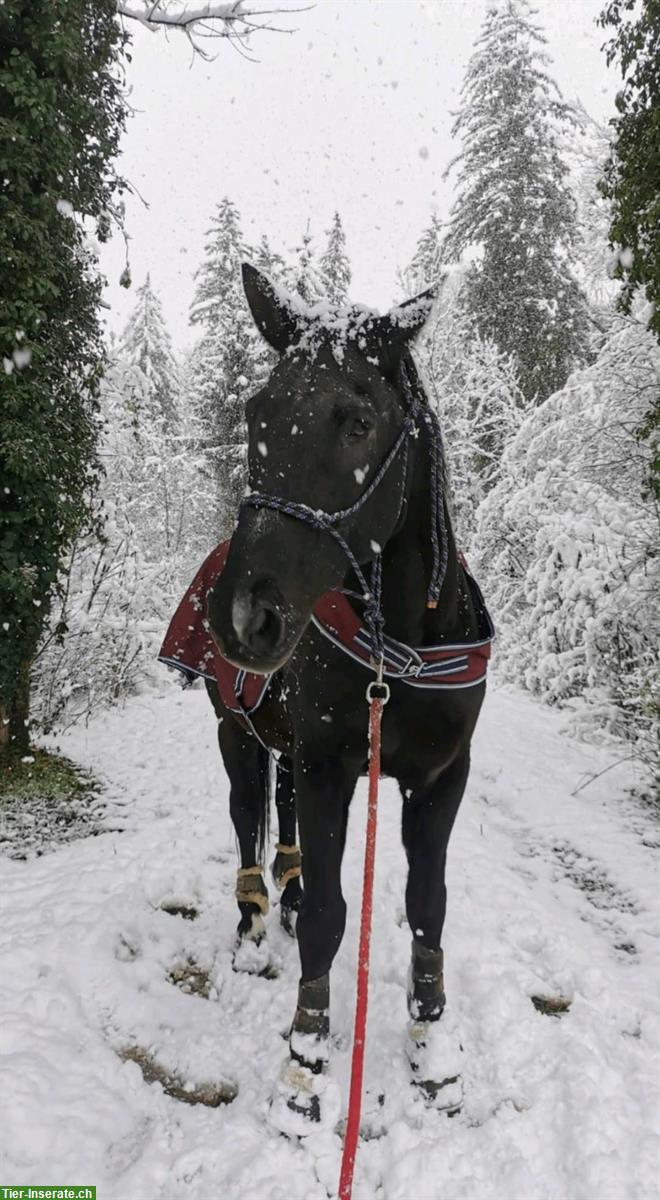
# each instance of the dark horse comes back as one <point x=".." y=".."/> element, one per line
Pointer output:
<point x="343" y="467"/>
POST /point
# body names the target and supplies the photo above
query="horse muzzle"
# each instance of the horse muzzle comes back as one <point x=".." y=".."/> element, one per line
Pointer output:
<point x="250" y="626"/>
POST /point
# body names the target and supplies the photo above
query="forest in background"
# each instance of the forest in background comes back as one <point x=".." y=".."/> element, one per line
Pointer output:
<point x="544" y="385"/>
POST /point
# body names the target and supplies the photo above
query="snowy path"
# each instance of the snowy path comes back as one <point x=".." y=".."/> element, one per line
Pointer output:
<point x="548" y="895"/>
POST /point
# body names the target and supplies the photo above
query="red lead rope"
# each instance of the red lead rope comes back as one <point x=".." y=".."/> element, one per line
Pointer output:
<point x="376" y="705"/>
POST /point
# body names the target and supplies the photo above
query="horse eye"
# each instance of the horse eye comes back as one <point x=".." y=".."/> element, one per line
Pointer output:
<point x="358" y="428"/>
<point x="353" y="422"/>
<point x="359" y="390"/>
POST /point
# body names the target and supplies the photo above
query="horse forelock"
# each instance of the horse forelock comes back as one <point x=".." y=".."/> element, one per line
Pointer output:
<point x="335" y="329"/>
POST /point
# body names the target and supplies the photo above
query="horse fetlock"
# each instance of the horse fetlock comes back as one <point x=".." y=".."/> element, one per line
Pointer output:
<point x="426" y="989"/>
<point x="290" y="906"/>
<point x="435" y="1054"/>
<point x="251" y="927"/>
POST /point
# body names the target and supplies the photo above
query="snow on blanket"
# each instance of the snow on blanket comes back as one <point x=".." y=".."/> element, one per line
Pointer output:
<point x="549" y="895"/>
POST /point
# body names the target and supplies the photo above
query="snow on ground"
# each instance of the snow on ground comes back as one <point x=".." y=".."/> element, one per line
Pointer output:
<point x="549" y="895"/>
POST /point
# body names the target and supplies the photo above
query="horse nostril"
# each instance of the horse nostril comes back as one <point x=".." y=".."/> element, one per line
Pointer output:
<point x="257" y="621"/>
<point x="265" y="628"/>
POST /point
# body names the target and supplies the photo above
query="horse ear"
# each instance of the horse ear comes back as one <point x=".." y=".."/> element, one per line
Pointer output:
<point x="274" y="315"/>
<point x="399" y="326"/>
<point x="403" y="322"/>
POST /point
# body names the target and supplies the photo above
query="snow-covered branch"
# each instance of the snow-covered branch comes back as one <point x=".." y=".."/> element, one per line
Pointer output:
<point x="233" y="19"/>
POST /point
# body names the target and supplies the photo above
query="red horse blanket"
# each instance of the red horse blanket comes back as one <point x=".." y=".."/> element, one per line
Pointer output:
<point x="189" y="647"/>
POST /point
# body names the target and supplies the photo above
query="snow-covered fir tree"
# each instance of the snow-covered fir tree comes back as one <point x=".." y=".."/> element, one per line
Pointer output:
<point x="229" y="360"/>
<point x="335" y="266"/>
<point x="513" y="214"/>
<point x="146" y="344"/>
<point x="223" y="249"/>
<point x="425" y="267"/>
<point x="268" y="260"/>
<point x="303" y="276"/>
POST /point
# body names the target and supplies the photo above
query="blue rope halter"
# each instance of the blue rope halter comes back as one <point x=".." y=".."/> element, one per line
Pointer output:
<point x="328" y="522"/>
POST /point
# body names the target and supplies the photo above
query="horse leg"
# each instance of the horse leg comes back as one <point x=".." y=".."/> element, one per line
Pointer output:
<point x="305" y="1095"/>
<point x="246" y="764"/>
<point x="433" y="1047"/>
<point x="286" y="866"/>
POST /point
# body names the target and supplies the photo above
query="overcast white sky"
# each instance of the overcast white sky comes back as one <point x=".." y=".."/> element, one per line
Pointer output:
<point x="352" y="111"/>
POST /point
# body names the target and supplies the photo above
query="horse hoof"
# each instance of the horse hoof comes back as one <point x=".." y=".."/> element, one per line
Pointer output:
<point x="373" y="1121"/>
<point x="304" y="1102"/>
<point x="445" y="1096"/>
<point x="435" y="1055"/>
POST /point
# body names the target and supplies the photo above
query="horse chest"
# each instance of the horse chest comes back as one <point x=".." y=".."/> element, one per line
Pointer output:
<point x="319" y="701"/>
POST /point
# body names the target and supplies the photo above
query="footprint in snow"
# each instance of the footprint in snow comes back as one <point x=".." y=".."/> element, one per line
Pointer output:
<point x="211" y="1094"/>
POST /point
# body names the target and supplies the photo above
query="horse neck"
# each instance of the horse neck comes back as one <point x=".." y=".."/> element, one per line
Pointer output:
<point x="407" y="566"/>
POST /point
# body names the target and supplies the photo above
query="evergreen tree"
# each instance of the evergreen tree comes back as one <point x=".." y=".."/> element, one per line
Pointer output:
<point x="224" y="248"/>
<point x="303" y="278"/>
<point x="146" y="344"/>
<point x="230" y="358"/>
<point x="269" y="260"/>
<point x="630" y="178"/>
<point x="631" y="174"/>
<point x="425" y="268"/>
<point x="335" y="267"/>
<point x="513" y="210"/>
<point x="62" y="112"/>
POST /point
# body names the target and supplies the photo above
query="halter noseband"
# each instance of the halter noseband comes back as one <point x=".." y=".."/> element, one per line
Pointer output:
<point x="328" y="522"/>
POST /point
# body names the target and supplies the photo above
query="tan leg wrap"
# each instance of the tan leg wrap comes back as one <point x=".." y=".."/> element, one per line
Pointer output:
<point x="251" y="889"/>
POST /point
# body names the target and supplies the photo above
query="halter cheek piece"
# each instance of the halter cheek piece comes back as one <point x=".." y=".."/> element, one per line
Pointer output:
<point x="328" y="522"/>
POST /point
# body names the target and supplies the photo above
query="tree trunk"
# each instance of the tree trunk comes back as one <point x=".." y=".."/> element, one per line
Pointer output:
<point x="14" y="718"/>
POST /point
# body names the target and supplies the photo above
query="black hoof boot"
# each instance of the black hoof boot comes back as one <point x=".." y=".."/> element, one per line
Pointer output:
<point x="426" y="985"/>
<point x="434" y="1048"/>
<point x="305" y="1098"/>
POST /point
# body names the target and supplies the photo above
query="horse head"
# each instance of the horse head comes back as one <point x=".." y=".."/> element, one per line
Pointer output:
<point x="328" y="420"/>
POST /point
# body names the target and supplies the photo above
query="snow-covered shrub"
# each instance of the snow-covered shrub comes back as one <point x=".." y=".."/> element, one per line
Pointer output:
<point x="476" y="394"/>
<point x="567" y="546"/>
<point x="125" y="576"/>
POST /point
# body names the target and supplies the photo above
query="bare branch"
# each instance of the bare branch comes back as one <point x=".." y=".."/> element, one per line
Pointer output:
<point x="590" y="779"/>
<point x="232" y="19"/>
